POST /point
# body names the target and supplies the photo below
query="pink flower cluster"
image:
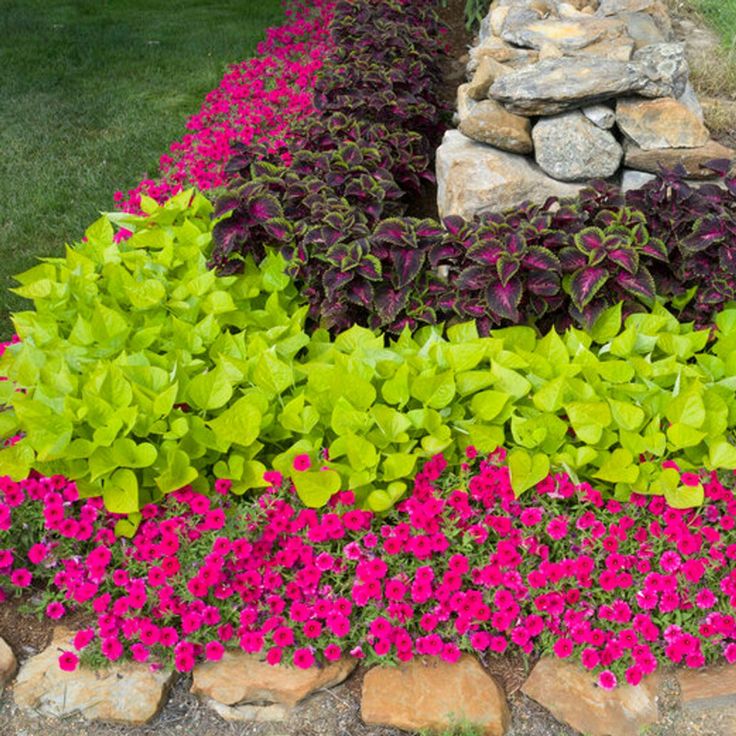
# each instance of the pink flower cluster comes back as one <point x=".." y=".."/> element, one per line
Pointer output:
<point x="257" y="101"/>
<point x="460" y="565"/>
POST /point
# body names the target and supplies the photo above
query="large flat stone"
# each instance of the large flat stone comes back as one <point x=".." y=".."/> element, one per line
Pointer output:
<point x="240" y="678"/>
<point x="556" y="85"/>
<point x="489" y="122"/>
<point x="693" y="159"/>
<point x="122" y="693"/>
<point x="473" y="178"/>
<point x="570" y="147"/>
<point x="571" y="694"/>
<point x="568" y="35"/>
<point x="662" y="123"/>
<point x="434" y="695"/>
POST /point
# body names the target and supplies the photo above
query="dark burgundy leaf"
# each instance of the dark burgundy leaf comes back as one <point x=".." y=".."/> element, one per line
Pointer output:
<point x="640" y="284"/>
<point x="541" y="258"/>
<point x="503" y="301"/>
<point x="506" y="267"/>
<point x="626" y="258"/>
<point x="406" y="266"/>
<point x="586" y="283"/>
<point x="389" y="302"/>
<point x="589" y="239"/>
<point x="543" y="283"/>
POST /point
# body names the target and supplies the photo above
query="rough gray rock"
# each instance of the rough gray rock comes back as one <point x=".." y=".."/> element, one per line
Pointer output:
<point x="568" y="35"/>
<point x="642" y="29"/>
<point x="601" y="115"/>
<point x="570" y="147"/>
<point x="474" y="178"/>
<point x="632" y="179"/>
<point x="489" y="122"/>
<point x="690" y="100"/>
<point x="556" y="85"/>
<point x="662" y="68"/>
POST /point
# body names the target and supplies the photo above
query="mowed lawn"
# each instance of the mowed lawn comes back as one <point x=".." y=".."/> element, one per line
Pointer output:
<point x="92" y="92"/>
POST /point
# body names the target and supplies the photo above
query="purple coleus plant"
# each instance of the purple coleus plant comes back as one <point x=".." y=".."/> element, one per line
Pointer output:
<point x="698" y="226"/>
<point x="612" y="257"/>
<point x="503" y="266"/>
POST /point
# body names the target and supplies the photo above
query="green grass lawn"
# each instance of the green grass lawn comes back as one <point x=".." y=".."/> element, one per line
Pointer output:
<point x="722" y="15"/>
<point x="92" y="92"/>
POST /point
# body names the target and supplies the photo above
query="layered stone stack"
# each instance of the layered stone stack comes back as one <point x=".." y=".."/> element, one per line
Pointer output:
<point x="562" y="92"/>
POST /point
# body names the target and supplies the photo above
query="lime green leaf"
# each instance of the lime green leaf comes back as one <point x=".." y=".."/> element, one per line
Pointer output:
<point x="240" y="424"/>
<point x="683" y="435"/>
<point x="627" y="416"/>
<point x="607" y="325"/>
<point x="398" y="465"/>
<point x="618" y="467"/>
<point x="487" y="405"/>
<point x="210" y="390"/>
<point x="315" y="488"/>
<point x="526" y="470"/>
<point x="721" y="455"/>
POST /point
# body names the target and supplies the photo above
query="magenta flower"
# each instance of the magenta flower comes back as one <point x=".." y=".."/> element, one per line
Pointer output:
<point x="68" y="661"/>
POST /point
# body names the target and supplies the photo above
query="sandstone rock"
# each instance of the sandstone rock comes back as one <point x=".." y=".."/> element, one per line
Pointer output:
<point x="690" y="100"/>
<point x="474" y="178"/>
<point x="632" y="179"/>
<point x="570" y="147"/>
<point x="568" y="35"/>
<point x="601" y="115"/>
<point x="240" y="678"/>
<point x="434" y="695"/>
<point x="487" y="72"/>
<point x="489" y="122"/>
<point x="553" y="86"/>
<point x="693" y="159"/>
<point x="662" y="123"/>
<point x="8" y="664"/>
<point x="252" y="713"/>
<point x="549" y="51"/>
<point x="571" y="694"/>
<point x="712" y="688"/>
<point x="502" y="52"/>
<point x="123" y="693"/>
<point x="465" y="103"/>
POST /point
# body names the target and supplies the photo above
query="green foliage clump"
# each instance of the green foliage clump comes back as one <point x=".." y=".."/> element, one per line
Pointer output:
<point x="140" y="372"/>
<point x="129" y="364"/>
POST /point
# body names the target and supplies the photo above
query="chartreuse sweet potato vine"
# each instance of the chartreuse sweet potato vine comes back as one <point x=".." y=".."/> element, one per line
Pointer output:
<point x="139" y="372"/>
